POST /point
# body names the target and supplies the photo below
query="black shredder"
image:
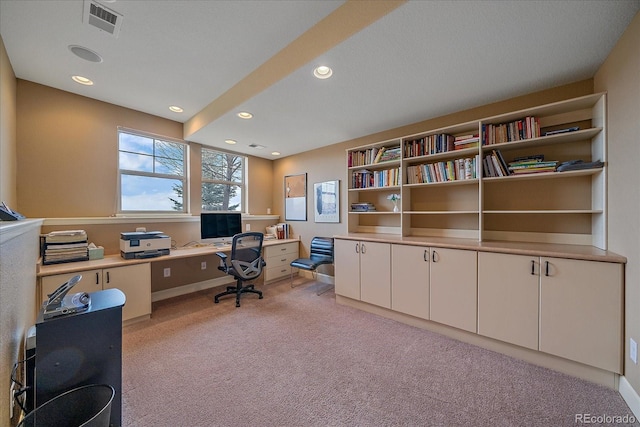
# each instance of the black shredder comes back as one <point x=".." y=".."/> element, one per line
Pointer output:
<point x="80" y="349"/>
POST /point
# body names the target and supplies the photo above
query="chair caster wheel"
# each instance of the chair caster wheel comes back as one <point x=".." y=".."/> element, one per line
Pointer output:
<point x="259" y="296"/>
<point x="237" y="304"/>
<point x="216" y="300"/>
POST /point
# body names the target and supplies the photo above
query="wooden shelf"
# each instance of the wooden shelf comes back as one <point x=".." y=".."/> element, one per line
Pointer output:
<point x="460" y="206"/>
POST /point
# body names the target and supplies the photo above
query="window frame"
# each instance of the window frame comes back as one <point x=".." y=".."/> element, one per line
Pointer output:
<point x="184" y="178"/>
<point x="243" y="184"/>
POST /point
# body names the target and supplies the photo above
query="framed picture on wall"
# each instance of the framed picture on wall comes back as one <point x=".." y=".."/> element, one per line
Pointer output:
<point x="295" y="197"/>
<point x="326" y="196"/>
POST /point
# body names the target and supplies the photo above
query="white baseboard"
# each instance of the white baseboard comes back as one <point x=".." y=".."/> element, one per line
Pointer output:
<point x="192" y="287"/>
<point x="630" y="396"/>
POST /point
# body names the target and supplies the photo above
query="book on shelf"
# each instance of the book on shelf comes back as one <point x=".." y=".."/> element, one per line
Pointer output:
<point x="573" y="165"/>
<point x="559" y="131"/>
<point x="501" y="162"/>
<point x="388" y="154"/>
<point x="362" y="207"/>
<point x="466" y="141"/>
<point x="517" y="130"/>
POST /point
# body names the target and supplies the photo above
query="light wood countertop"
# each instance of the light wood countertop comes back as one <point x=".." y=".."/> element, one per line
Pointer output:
<point x="580" y="252"/>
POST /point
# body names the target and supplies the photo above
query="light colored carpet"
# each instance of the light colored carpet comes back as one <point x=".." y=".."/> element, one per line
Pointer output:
<point x="298" y="359"/>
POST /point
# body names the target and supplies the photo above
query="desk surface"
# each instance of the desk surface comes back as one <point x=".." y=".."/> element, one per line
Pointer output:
<point x="116" y="260"/>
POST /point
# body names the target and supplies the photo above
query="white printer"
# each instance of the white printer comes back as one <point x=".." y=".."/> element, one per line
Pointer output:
<point x="144" y="244"/>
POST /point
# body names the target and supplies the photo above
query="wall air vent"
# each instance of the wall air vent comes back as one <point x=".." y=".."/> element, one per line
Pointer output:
<point x="102" y="17"/>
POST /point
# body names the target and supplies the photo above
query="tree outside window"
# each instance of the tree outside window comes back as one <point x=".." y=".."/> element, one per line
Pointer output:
<point x="223" y="181"/>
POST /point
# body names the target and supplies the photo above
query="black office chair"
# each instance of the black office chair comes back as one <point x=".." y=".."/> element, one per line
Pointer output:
<point x="246" y="264"/>
<point x="321" y="252"/>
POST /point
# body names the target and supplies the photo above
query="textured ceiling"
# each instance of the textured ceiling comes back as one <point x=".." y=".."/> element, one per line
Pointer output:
<point x="394" y="63"/>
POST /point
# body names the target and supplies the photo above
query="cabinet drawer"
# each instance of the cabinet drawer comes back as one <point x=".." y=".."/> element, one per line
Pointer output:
<point x="280" y="259"/>
<point x="285" y="248"/>
<point x="272" y="273"/>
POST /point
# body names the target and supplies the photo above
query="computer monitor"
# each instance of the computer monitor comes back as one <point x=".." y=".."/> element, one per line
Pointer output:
<point x="219" y="227"/>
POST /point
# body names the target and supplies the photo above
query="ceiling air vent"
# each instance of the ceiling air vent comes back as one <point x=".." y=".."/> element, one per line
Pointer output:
<point x="101" y="17"/>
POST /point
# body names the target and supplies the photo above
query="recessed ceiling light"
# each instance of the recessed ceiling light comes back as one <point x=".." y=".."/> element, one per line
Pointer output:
<point x="275" y="153"/>
<point x="84" y="53"/>
<point x="245" y="115"/>
<point x="82" y="80"/>
<point x="323" y="72"/>
<point x="231" y="141"/>
<point x="176" y="109"/>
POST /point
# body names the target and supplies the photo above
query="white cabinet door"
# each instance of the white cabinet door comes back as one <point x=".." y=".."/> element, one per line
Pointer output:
<point x="410" y="280"/>
<point x="135" y="282"/>
<point x="454" y="288"/>
<point x="581" y="306"/>
<point x="91" y="282"/>
<point x="508" y="298"/>
<point x="375" y="273"/>
<point x="347" y="268"/>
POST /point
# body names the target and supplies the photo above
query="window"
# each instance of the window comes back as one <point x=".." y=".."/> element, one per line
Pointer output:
<point x="153" y="173"/>
<point x="223" y="182"/>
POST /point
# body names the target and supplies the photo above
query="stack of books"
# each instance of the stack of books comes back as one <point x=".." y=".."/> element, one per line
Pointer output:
<point x="466" y="141"/>
<point x="362" y="207"/>
<point x="532" y="164"/>
<point x="65" y="246"/>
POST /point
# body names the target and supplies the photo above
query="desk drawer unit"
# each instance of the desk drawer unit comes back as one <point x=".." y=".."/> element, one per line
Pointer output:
<point x="278" y="259"/>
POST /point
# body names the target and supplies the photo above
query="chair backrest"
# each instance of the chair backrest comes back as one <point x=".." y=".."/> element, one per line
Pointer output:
<point x="322" y="248"/>
<point x="246" y="254"/>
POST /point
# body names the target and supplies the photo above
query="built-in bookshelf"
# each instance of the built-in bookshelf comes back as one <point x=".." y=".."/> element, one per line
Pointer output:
<point x="534" y="175"/>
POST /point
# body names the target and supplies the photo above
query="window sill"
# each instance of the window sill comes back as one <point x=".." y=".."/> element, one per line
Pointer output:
<point x="136" y="219"/>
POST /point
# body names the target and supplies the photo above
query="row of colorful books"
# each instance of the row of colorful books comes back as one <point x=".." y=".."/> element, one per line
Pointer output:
<point x="373" y="155"/>
<point x="518" y="130"/>
<point x="450" y="170"/>
<point x="430" y="144"/>
<point x="382" y="178"/>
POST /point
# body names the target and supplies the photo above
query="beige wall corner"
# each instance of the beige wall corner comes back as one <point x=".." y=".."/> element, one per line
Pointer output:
<point x="619" y="75"/>
<point x="8" y="187"/>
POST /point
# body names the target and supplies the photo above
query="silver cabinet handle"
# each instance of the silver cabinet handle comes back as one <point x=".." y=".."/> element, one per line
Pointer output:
<point x="433" y="256"/>
<point x="363" y="249"/>
<point x="357" y="248"/>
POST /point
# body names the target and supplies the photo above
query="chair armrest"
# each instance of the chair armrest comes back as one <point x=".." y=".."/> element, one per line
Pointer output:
<point x="223" y="262"/>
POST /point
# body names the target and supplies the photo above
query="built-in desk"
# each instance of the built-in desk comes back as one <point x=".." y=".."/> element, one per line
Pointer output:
<point x="144" y="281"/>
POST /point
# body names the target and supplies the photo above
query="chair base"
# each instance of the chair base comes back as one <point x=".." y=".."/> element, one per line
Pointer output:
<point x="237" y="290"/>
<point x="314" y="277"/>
